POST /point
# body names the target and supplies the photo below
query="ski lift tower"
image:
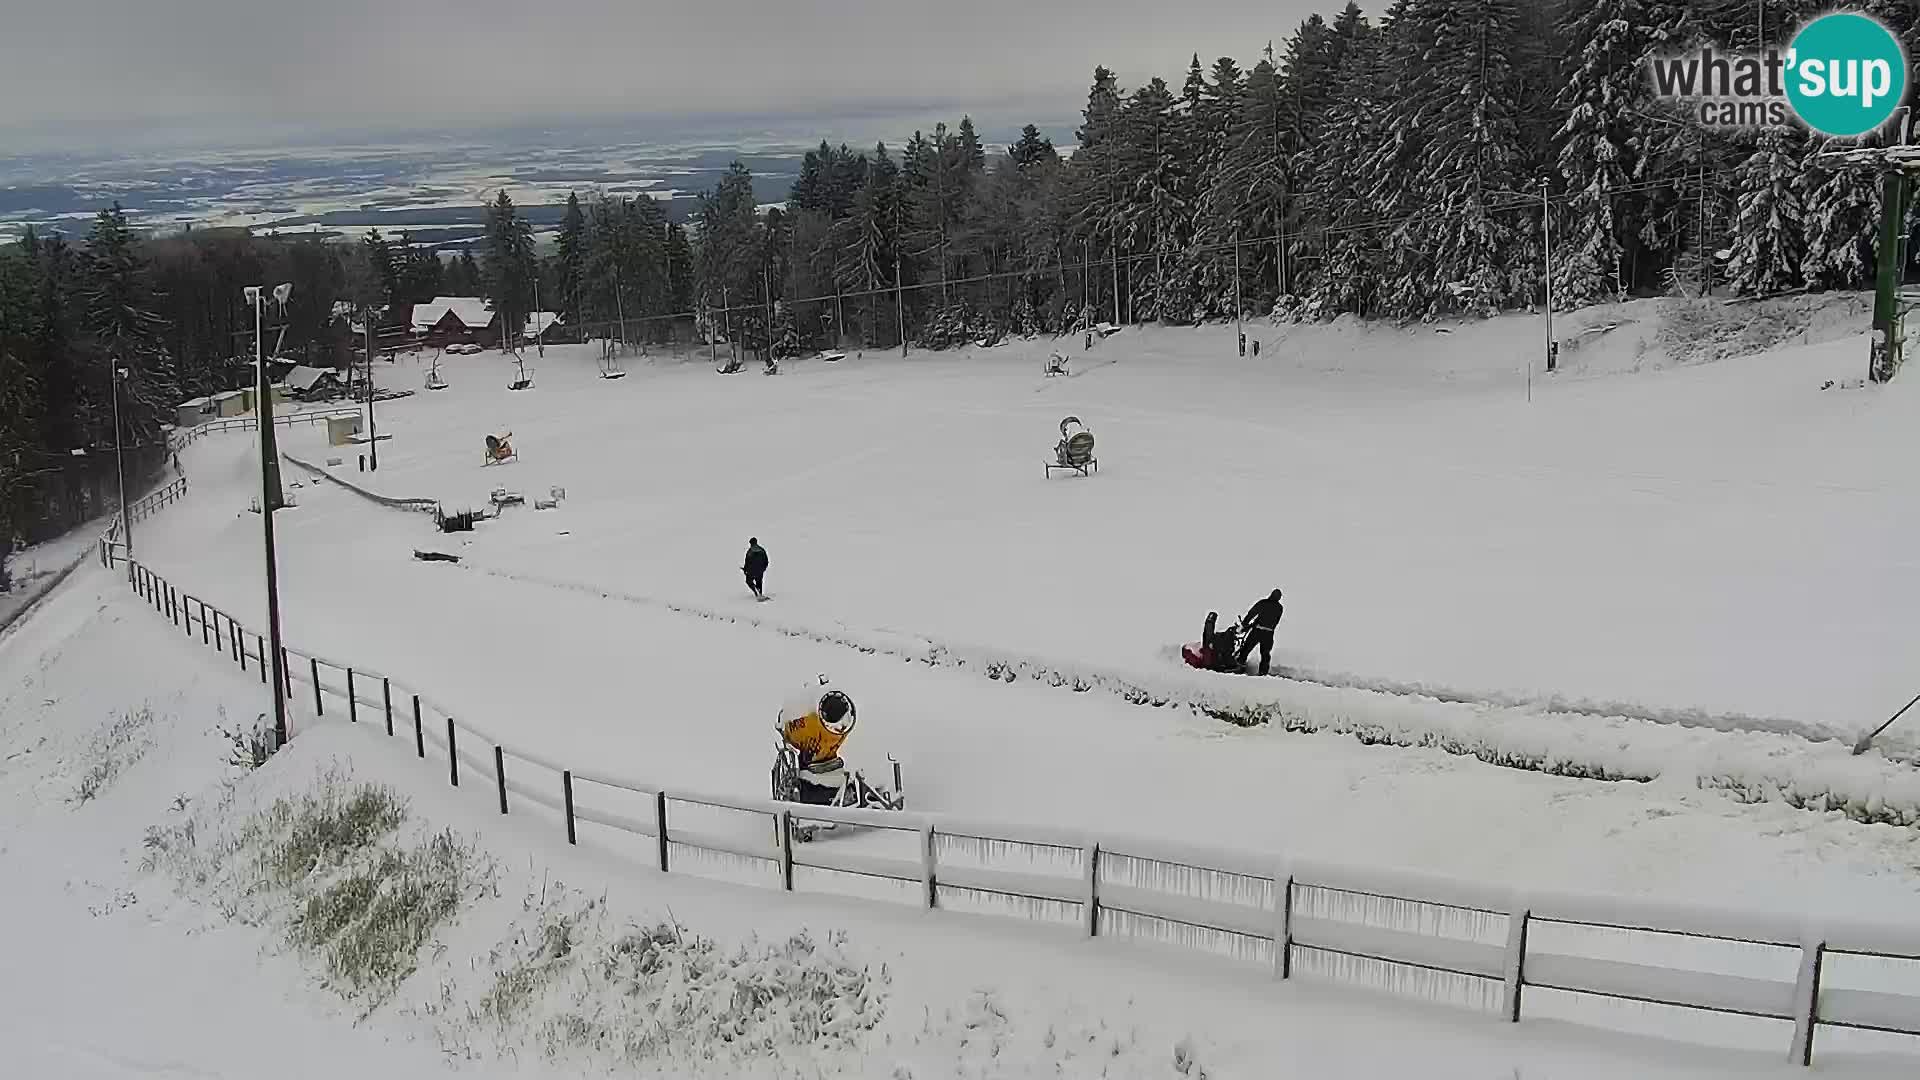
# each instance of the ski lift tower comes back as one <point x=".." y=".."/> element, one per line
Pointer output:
<point x="1899" y="170"/>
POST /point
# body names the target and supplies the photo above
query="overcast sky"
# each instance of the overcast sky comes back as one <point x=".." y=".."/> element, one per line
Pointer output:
<point x="77" y="68"/>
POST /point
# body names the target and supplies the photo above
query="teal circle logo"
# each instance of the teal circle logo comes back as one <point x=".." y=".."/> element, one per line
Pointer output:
<point x="1846" y="74"/>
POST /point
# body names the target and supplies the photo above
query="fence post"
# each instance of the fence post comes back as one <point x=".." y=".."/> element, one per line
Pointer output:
<point x="353" y="702"/>
<point x="203" y="622"/>
<point x="453" y="755"/>
<point x="1283" y="923"/>
<point x="784" y="820"/>
<point x="286" y="665"/>
<point x="660" y="825"/>
<point x="566" y="788"/>
<point x="1806" y="1001"/>
<point x="419" y="733"/>
<point x="1092" y="902"/>
<point x="313" y="668"/>
<point x="500" y="776"/>
<point x="928" y="880"/>
<point x="1516" y="975"/>
<point x="266" y="665"/>
<point x="386" y="702"/>
<point x="239" y="646"/>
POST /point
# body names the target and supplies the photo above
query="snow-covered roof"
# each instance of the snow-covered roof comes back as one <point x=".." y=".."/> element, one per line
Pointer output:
<point x="540" y="321"/>
<point x="471" y="311"/>
<point x="303" y="378"/>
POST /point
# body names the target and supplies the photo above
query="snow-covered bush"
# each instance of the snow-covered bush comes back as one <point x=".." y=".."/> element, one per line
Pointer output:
<point x="251" y="747"/>
<point x="119" y="743"/>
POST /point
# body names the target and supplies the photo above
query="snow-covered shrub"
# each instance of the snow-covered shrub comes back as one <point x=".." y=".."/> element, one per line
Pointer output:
<point x="371" y="920"/>
<point x="251" y="747"/>
<point x="119" y="743"/>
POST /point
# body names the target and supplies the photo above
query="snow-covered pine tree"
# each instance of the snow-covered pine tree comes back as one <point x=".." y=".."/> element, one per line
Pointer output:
<point x="571" y="258"/>
<point x="117" y="312"/>
<point x="1604" y="90"/>
<point x="1342" y="191"/>
<point x="1485" y="244"/>
<point x="1769" y="229"/>
<point x="1842" y="208"/>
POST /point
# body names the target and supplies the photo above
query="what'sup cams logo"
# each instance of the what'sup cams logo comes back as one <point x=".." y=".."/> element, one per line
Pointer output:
<point x="1843" y="75"/>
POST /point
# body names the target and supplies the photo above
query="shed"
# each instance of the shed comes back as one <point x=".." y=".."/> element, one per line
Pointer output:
<point x="342" y="430"/>
<point x="307" y="383"/>
<point x="190" y="413"/>
<point x="229" y="403"/>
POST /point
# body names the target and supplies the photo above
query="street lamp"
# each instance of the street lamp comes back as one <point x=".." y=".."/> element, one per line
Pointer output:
<point x="269" y="502"/>
<point x="120" y="458"/>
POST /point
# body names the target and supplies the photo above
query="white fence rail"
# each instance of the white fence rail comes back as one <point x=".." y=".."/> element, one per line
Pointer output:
<point x="1438" y="938"/>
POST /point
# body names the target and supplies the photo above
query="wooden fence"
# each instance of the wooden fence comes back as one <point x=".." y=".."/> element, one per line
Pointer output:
<point x="1457" y="941"/>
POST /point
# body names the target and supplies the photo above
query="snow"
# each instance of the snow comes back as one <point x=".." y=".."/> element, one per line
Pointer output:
<point x="1690" y="575"/>
<point x="113" y="974"/>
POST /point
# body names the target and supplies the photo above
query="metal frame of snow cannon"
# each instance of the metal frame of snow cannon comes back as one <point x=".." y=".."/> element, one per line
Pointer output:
<point x="1074" y="451"/>
<point x="858" y="793"/>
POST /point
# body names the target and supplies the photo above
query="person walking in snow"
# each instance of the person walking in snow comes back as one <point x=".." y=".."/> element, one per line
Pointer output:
<point x="1261" y="621"/>
<point x="756" y="567"/>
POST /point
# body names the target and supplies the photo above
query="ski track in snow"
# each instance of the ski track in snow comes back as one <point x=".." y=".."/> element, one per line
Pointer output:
<point x="947" y="654"/>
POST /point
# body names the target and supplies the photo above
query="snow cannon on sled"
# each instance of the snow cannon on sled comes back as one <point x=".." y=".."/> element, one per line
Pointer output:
<point x="1217" y="650"/>
<point x="807" y="767"/>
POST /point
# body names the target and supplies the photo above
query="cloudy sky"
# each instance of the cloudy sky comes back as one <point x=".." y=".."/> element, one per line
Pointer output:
<point x="91" y="70"/>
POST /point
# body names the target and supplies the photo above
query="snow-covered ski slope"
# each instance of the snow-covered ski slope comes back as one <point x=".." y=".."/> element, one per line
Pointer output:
<point x="120" y="973"/>
<point x="1715" y="544"/>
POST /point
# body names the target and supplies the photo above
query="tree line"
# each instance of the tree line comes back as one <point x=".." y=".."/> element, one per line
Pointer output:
<point x="1385" y="167"/>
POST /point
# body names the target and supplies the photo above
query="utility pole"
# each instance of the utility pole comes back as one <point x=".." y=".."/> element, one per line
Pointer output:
<point x="270" y="502"/>
<point x="373" y="428"/>
<point x="1546" y="233"/>
<point x="120" y="458"/>
<point x="899" y="301"/>
<point x="1239" y="312"/>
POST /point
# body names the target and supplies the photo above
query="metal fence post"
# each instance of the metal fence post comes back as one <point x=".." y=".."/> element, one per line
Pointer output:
<point x="1806" y="1001"/>
<point x="419" y="732"/>
<point x="1092" y="901"/>
<point x="1516" y="976"/>
<point x="313" y="668"/>
<point x="1283" y="924"/>
<point x="660" y="825"/>
<point x="784" y="819"/>
<point x="566" y="789"/>
<point x="203" y="621"/>
<point x="453" y="755"/>
<point x="500" y="776"/>
<point x="386" y="702"/>
<point x="239" y="646"/>
<point x="353" y="702"/>
<point x="929" y="882"/>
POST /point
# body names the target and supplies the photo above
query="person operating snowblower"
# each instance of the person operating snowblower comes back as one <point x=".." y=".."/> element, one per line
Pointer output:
<point x="813" y="729"/>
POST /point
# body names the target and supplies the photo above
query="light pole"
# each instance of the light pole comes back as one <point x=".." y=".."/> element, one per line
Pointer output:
<point x="120" y="457"/>
<point x="269" y="502"/>
<point x="373" y="429"/>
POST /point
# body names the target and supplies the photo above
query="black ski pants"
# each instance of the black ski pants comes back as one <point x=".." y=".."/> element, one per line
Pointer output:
<point x="1263" y="639"/>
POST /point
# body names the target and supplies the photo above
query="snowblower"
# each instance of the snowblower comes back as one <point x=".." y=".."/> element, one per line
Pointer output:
<point x="1217" y="650"/>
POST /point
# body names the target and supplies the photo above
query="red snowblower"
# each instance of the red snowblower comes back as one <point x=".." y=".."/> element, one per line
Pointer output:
<point x="1216" y="650"/>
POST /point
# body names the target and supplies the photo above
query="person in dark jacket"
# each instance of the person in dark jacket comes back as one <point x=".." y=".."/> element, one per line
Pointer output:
<point x="756" y="567"/>
<point x="1262" y="618"/>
